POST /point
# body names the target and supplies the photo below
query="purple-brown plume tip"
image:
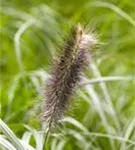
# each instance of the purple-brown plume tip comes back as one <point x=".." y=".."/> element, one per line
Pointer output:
<point x="66" y="74"/>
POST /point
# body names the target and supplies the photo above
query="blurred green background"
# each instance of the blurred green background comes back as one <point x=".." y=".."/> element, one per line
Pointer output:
<point x="31" y="35"/>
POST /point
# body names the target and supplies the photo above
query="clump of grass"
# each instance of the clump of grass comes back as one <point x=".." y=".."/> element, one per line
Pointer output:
<point x="105" y="119"/>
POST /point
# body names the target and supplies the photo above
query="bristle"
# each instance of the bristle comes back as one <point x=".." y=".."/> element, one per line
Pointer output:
<point x="66" y="74"/>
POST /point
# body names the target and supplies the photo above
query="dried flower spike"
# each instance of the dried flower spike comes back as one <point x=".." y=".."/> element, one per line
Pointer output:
<point x="66" y="74"/>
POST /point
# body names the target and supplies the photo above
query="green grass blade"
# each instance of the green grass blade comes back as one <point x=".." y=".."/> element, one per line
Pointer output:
<point x="6" y="144"/>
<point x="10" y="135"/>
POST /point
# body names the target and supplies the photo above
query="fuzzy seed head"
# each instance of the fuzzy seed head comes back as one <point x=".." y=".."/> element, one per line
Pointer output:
<point x="66" y="74"/>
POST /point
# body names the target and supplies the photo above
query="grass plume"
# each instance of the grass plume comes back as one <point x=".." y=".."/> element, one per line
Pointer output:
<point x="66" y="74"/>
